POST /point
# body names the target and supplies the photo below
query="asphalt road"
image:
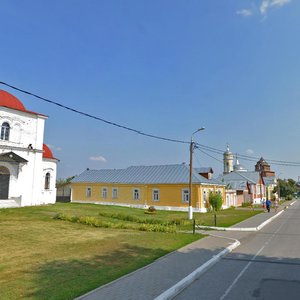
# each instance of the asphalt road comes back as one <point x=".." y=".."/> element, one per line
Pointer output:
<point x="265" y="266"/>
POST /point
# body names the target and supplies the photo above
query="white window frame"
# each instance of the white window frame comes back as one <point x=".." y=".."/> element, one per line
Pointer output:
<point x="47" y="181"/>
<point x="155" y="195"/>
<point x="5" y="131"/>
<point x="104" y="192"/>
<point x="136" y="194"/>
<point x="88" y="192"/>
<point x="114" y="193"/>
<point x="185" y="194"/>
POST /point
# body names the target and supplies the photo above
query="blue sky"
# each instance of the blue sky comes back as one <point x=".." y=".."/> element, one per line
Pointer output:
<point x="165" y="67"/>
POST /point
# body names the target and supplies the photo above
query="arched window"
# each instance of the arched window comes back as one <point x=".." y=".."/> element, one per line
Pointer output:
<point x="47" y="181"/>
<point x="5" y="128"/>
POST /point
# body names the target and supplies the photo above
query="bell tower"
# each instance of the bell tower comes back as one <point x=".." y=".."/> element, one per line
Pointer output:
<point x="228" y="161"/>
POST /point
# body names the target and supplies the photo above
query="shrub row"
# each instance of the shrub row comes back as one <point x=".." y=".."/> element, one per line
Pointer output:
<point x="92" y="221"/>
<point x="135" y="219"/>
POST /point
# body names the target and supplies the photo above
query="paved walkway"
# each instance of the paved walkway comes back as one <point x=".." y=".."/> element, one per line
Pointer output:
<point x="159" y="279"/>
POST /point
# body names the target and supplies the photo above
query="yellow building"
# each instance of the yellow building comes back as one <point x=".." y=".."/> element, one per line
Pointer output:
<point x="164" y="187"/>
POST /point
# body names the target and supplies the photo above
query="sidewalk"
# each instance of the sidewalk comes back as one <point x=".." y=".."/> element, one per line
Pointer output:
<point x="159" y="279"/>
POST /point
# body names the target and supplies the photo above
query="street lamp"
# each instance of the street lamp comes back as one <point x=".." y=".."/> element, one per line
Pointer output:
<point x="192" y="147"/>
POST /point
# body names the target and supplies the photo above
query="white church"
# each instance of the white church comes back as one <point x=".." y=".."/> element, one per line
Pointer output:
<point x="27" y="165"/>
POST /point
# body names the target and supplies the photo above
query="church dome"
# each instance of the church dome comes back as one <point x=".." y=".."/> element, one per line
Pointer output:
<point x="238" y="167"/>
<point x="47" y="153"/>
<point x="10" y="101"/>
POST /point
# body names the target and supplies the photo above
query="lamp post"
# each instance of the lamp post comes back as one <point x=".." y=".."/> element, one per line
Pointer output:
<point x="192" y="146"/>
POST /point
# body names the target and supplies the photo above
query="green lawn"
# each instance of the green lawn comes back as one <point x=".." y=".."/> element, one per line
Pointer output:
<point x="45" y="258"/>
<point x="227" y="217"/>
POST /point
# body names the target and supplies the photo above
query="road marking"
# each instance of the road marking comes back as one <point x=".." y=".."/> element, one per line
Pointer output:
<point x="250" y="262"/>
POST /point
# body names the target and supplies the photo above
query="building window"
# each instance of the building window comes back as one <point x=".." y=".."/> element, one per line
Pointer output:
<point x="47" y="181"/>
<point x="104" y="192"/>
<point x="204" y="196"/>
<point x="136" y="194"/>
<point x="115" y="193"/>
<point x="88" y="192"/>
<point x="5" y="128"/>
<point x="155" y="195"/>
<point x="185" y="195"/>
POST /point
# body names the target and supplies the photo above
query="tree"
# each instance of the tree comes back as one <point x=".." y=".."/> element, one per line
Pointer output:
<point x="286" y="187"/>
<point x="62" y="183"/>
<point x="215" y="200"/>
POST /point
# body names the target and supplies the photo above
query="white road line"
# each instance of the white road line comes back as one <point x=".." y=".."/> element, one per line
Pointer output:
<point x="249" y="263"/>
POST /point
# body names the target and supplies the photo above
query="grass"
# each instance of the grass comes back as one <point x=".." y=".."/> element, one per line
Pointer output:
<point x="44" y="258"/>
<point x="226" y="218"/>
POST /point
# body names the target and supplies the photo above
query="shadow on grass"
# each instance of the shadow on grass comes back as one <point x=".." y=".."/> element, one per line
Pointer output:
<point x="67" y="279"/>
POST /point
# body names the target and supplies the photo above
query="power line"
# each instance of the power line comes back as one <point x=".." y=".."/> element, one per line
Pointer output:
<point x="209" y="155"/>
<point x="201" y="147"/>
<point x="250" y="158"/>
<point x="95" y="117"/>
<point x="247" y="157"/>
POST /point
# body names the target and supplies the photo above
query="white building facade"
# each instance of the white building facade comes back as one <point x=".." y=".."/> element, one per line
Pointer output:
<point x="27" y="166"/>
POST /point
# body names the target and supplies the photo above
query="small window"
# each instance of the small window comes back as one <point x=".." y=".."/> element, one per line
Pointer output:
<point x="5" y="128"/>
<point x="104" y="192"/>
<point x="185" y="195"/>
<point x="155" y="195"/>
<point x="47" y="181"/>
<point x="136" y="194"/>
<point x="204" y="196"/>
<point x="89" y="192"/>
<point x="115" y="193"/>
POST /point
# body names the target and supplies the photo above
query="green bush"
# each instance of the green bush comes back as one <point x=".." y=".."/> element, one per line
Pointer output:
<point x="92" y="221"/>
<point x="215" y="200"/>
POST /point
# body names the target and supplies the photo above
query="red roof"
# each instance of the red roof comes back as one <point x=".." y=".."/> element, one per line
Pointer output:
<point x="10" y="101"/>
<point x="47" y="153"/>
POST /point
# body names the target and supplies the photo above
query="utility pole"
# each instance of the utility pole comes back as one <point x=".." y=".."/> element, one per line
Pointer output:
<point x="192" y="147"/>
<point x="190" y="179"/>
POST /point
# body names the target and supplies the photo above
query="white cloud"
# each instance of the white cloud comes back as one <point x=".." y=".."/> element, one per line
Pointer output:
<point x="245" y="12"/>
<point x="267" y="4"/>
<point x="98" y="158"/>
<point x="249" y="151"/>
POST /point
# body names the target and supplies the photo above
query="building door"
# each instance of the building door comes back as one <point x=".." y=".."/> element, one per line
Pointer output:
<point x="4" y="182"/>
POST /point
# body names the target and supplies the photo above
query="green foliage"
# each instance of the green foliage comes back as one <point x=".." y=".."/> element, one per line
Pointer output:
<point x="286" y="187"/>
<point x="95" y="222"/>
<point x="215" y="200"/>
<point x="136" y="219"/>
<point x="246" y="204"/>
<point x="60" y="183"/>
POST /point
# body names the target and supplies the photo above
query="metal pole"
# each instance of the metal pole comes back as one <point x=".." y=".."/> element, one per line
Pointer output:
<point x="190" y="180"/>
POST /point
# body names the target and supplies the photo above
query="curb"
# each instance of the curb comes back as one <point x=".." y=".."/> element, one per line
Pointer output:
<point x="245" y="228"/>
<point x="183" y="283"/>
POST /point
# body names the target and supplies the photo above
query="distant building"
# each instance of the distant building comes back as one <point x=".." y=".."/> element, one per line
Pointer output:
<point x="165" y="187"/>
<point x="27" y="165"/>
<point x="264" y="168"/>
<point x="249" y="185"/>
<point x="206" y="172"/>
<point x="228" y="161"/>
